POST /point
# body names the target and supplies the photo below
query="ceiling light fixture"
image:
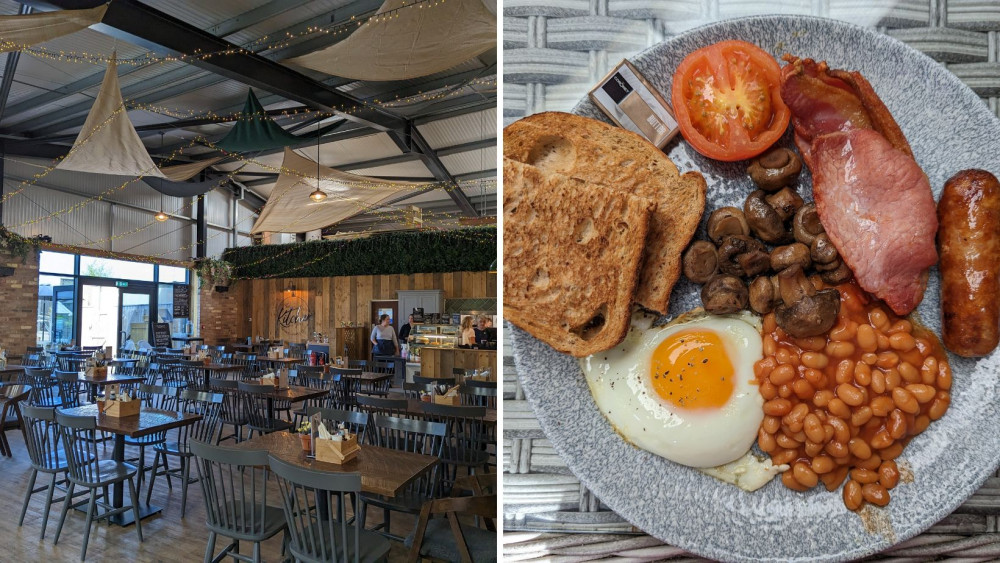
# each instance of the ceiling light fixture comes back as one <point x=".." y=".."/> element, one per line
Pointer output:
<point x="161" y="216"/>
<point x="318" y="195"/>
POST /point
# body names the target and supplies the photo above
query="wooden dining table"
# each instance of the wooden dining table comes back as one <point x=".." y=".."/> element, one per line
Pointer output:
<point x="292" y="393"/>
<point x="383" y="471"/>
<point x="416" y="407"/>
<point x="10" y="373"/>
<point x="95" y="383"/>
<point x="148" y="421"/>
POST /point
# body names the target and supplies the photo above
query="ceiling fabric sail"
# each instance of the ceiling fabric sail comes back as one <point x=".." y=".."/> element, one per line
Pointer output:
<point x="413" y="40"/>
<point x="256" y="131"/>
<point x="20" y="31"/>
<point x="108" y="143"/>
<point x="188" y="170"/>
<point x="290" y="210"/>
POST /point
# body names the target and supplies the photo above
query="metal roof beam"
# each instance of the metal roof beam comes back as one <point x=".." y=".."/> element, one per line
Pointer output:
<point x="440" y="172"/>
<point x="142" y="25"/>
<point x="10" y="68"/>
<point x="226" y="28"/>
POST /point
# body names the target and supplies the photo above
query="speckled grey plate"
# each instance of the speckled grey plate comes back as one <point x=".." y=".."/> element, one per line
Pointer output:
<point x="950" y="129"/>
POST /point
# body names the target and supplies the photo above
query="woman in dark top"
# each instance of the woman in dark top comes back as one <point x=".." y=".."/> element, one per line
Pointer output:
<point x="404" y="331"/>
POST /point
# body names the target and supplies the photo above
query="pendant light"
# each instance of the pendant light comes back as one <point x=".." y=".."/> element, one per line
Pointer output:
<point x="161" y="216"/>
<point x="318" y="195"/>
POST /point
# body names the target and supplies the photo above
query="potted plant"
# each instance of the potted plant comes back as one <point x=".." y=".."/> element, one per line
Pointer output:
<point x="218" y="273"/>
<point x="305" y="434"/>
<point x="17" y="245"/>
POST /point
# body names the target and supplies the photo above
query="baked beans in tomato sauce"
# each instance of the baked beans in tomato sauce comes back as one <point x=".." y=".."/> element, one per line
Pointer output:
<point x="842" y="406"/>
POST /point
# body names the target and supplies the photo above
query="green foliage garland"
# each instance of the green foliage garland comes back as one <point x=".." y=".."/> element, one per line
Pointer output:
<point x="471" y="249"/>
<point x="215" y="272"/>
<point x="17" y="245"/>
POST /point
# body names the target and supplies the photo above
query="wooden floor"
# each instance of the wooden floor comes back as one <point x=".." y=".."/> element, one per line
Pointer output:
<point x="168" y="537"/>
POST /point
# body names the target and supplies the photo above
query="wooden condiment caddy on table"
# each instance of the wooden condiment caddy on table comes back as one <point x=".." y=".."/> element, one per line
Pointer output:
<point x="118" y="408"/>
<point x="341" y="452"/>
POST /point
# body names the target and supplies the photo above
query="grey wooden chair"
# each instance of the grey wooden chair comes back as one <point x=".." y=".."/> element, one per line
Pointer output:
<point x="466" y="440"/>
<point x="232" y="409"/>
<point x="447" y="538"/>
<point x="448" y="381"/>
<point x="157" y="397"/>
<point x="209" y="406"/>
<point x="41" y="438"/>
<point x="255" y="406"/>
<point x="234" y="486"/>
<point x="86" y="469"/>
<point x="316" y="535"/>
<point x="355" y="422"/>
<point x="409" y="435"/>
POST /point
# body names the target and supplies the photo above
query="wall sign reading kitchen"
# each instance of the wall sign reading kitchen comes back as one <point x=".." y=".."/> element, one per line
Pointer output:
<point x="292" y="314"/>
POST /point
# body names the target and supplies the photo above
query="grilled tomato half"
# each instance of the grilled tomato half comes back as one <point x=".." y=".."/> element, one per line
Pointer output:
<point x="727" y="100"/>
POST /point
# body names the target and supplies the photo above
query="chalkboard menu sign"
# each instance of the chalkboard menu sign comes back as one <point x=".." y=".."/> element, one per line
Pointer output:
<point x="161" y="335"/>
<point x="182" y="301"/>
<point x="418" y="315"/>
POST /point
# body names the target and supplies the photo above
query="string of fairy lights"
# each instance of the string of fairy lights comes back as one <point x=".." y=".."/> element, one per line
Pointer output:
<point x="263" y="43"/>
<point x="266" y="43"/>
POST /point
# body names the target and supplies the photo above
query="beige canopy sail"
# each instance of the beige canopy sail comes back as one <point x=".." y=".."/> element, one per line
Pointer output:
<point x="290" y="210"/>
<point x="186" y="171"/>
<point x="415" y="39"/>
<point x="108" y="143"/>
<point x="18" y="32"/>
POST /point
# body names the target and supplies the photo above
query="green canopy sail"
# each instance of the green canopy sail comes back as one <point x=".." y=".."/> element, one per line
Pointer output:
<point x="256" y="131"/>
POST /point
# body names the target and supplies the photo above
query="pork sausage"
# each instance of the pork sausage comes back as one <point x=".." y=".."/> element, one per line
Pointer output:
<point x="969" y="243"/>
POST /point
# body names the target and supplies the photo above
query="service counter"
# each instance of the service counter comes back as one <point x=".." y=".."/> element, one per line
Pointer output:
<point x="441" y="362"/>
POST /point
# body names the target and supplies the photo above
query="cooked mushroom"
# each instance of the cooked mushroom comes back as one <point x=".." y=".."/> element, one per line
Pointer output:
<point x="701" y="261"/>
<point x="785" y="256"/>
<point x="840" y="274"/>
<point x="726" y="221"/>
<point x="764" y="221"/>
<point x="786" y="202"/>
<point x="828" y="267"/>
<point x="822" y="250"/>
<point x="775" y="169"/>
<point x="806" y="224"/>
<point x="804" y="311"/>
<point x="724" y="294"/>
<point x="764" y="294"/>
<point x="742" y="256"/>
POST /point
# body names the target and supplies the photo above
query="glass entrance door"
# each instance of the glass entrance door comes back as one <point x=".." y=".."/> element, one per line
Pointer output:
<point x="99" y="315"/>
<point x="114" y="316"/>
<point x="135" y="318"/>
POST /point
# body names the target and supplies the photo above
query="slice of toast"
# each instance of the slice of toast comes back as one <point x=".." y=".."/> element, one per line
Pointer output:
<point x="571" y="258"/>
<point x="598" y="153"/>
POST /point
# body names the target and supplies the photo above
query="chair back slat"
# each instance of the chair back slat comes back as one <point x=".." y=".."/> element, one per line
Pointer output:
<point x="413" y="390"/>
<point x="41" y="435"/>
<point x="415" y="436"/>
<point x="355" y="422"/>
<point x="477" y="396"/>
<point x="209" y="406"/>
<point x="80" y="447"/>
<point x="466" y="439"/>
<point x="68" y="383"/>
<point x="308" y="499"/>
<point x="234" y="485"/>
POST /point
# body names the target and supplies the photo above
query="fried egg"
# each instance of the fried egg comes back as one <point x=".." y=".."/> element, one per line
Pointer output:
<point x="684" y="391"/>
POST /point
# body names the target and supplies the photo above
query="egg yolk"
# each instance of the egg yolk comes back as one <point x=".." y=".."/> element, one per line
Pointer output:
<point x="691" y="370"/>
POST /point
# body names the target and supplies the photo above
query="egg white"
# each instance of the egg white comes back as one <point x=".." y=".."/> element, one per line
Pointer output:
<point x="619" y="381"/>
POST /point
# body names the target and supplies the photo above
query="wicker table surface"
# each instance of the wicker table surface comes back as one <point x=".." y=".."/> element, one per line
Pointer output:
<point x="554" y="52"/>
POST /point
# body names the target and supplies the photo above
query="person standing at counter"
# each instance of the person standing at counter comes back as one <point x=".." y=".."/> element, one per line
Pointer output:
<point x="404" y="331"/>
<point x="481" y="324"/>
<point x="383" y="338"/>
<point x="468" y="333"/>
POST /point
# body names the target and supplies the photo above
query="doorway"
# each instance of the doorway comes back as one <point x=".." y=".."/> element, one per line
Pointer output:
<point x="115" y="313"/>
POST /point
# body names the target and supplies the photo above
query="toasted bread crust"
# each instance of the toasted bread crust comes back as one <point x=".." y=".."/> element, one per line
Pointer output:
<point x="572" y="257"/>
<point x="595" y="152"/>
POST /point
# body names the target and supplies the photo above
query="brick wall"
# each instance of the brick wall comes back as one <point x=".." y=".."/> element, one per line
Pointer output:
<point x="19" y="299"/>
<point x="219" y="313"/>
